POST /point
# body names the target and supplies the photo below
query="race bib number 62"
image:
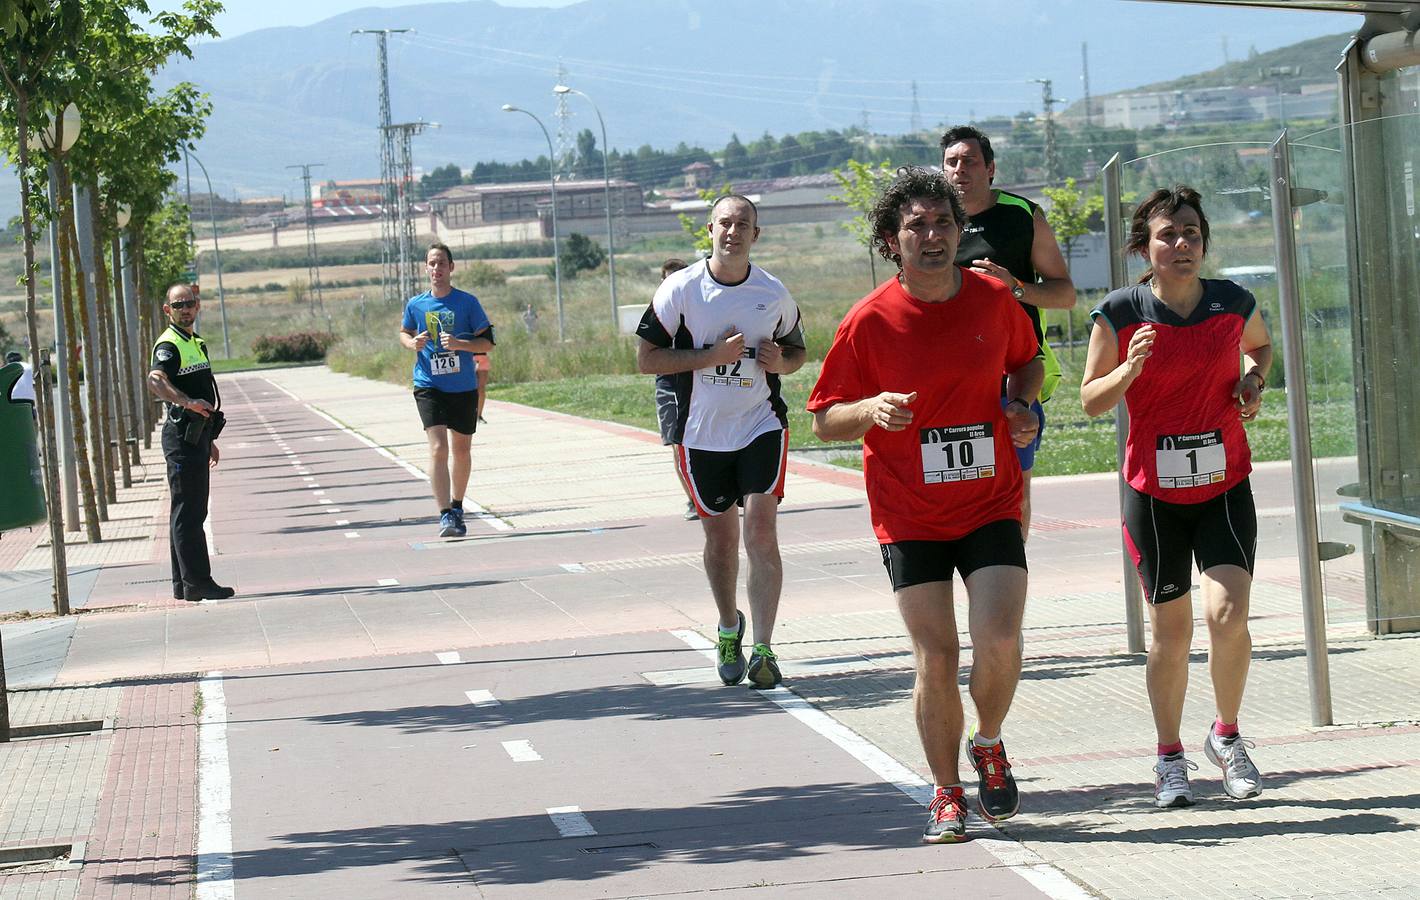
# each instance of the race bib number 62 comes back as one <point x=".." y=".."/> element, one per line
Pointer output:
<point x="958" y="453"/>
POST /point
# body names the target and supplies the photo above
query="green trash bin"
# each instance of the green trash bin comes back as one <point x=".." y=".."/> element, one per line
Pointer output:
<point x="21" y="478"/>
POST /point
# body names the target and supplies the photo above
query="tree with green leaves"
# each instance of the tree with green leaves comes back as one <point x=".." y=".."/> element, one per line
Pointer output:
<point x="580" y="253"/>
<point x="862" y="183"/>
<point x="694" y="227"/>
<point x="1071" y="214"/>
<point x="34" y="35"/>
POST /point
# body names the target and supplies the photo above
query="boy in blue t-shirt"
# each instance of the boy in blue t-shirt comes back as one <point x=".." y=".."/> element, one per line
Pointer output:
<point x="444" y="327"/>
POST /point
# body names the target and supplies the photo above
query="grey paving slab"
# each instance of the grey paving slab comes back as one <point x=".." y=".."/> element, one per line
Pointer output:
<point x="35" y="650"/>
<point x="21" y="887"/>
<point x="32" y="590"/>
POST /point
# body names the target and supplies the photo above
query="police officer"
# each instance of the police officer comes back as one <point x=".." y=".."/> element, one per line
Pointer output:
<point x="181" y="374"/>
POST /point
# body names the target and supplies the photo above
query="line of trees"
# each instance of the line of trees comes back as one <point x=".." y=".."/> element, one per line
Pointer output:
<point x="805" y="153"/>
<point x="121" y="235"/>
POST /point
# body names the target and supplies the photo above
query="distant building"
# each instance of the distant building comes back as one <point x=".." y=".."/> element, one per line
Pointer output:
<point x="698" y="175"/>
<point x="353" y="192"/>
<point x="465" y="205"/>
<point x="222" y="208"/>
<point x="1277" y="101"/>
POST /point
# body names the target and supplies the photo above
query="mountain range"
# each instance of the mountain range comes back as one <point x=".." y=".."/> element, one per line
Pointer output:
<point x="667" y="71"/>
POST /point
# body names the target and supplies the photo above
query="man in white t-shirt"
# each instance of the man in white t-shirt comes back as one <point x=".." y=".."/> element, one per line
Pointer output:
<point x="728" y="330"/>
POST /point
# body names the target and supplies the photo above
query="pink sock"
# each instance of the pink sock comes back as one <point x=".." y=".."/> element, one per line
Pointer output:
<point x="1175" y="747"/>
<point x="1224" y="731"/>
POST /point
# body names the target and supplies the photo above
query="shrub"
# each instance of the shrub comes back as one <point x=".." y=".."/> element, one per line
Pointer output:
<point x="482" y="274"/>
<point x="579" y="253"/>
<point x="302" y="346"/>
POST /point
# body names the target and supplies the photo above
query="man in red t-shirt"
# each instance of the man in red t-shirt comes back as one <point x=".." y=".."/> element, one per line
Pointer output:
<point x="915" y="372"/>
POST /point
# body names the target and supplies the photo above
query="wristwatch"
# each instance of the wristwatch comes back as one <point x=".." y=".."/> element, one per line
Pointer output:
<point x="1019" y="291"/>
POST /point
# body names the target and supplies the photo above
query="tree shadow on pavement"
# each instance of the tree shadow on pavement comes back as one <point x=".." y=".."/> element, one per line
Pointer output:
<point x="759" y="825"/>
<point x="633" y="702"/>
<point x="1130" y="806"/>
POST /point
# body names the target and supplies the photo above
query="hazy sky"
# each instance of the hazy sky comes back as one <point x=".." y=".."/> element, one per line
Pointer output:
<point x="249" y="15"/>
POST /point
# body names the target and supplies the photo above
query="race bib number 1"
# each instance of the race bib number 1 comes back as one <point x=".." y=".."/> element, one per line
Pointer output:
<point x="444" y="364"/>
<point x="1191" y="460"/>
<point x="958" y="453"/>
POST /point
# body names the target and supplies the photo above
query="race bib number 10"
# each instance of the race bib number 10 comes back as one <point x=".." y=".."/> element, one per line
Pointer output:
<point x="444" y="364"/>
<point x="958" y="453"/>
<point x="1191" y="460"/>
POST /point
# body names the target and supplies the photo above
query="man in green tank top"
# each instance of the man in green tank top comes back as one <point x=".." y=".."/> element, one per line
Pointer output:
<point x="181" y="375"/>
<point x="1008" y="238"/>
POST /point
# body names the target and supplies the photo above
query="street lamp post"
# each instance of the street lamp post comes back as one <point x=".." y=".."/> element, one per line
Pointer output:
<point x="58" y="138"/>
<point x="606" y="183"/>
<point x="216" y="251"/>
<point x="552" y="179"/>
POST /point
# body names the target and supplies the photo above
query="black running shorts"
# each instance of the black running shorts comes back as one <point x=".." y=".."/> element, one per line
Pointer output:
<point x="720" y="480"/>
<point x="998" y="543"/>
<point x="457" y="410"/>
<point x="1164" y="538"/>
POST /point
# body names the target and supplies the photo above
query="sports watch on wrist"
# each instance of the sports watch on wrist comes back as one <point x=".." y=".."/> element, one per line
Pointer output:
<point x="1019" y="291"/>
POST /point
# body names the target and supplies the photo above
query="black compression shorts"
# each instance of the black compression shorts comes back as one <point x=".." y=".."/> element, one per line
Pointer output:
<point x="458" y="410"/>
<point x="1164" y="538"/>
<point x="719" y="480"/>
<point x="997" y="543"/>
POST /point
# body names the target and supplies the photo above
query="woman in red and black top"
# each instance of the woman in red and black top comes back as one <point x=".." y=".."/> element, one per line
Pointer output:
<point x="1189" y="355"/>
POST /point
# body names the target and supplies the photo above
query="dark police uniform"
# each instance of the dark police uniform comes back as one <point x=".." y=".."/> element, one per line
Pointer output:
<point x="184" y="359"/>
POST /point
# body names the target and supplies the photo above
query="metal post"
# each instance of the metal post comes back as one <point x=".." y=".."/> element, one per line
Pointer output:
<point x="95" y="373"/>
<point x="606" y="185"/>
<point x="140" y="353"/>
<point x="69" y="478"/>
<point x="556" y="254"/>
<point x="1299" y="431"/>
<point x="1114" y="238"/>
<point x="128" y="362"/>
<point x="217" y="253"/>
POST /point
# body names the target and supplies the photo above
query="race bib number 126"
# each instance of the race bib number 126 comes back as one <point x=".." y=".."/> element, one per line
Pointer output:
<point x="444" y="364"/>
<point x="958" y="453"/>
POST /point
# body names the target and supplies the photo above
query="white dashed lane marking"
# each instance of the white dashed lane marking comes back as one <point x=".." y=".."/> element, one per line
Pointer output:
<point x="521" y="751"/>
<point x="570" y="821"/>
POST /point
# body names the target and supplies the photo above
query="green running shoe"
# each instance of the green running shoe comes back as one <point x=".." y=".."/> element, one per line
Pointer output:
<point x="731" y="658"/>
<point x="764" y="667"/>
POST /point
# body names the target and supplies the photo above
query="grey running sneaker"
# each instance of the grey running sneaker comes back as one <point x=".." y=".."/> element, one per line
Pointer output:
<point x="1240" y="777"/>
<point x="996" y="792"/>
<point x="690" y="514"/>
<point x="764" y="667"/>
<point x="946" y="817"/>
<point x="731" y="658"/>
<point x="448" y="526"/>
<point x="1171" y="790"/>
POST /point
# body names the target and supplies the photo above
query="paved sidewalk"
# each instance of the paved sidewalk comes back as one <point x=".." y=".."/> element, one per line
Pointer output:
<point x="355" y="634"/>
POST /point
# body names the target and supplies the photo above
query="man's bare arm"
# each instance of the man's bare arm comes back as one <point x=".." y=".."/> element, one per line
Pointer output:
<point x="1055" y="290"/>
<point x="161" y="387"/>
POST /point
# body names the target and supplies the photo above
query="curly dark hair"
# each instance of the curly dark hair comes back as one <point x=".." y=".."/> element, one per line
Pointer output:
<point x="1163" y="202"/>
<point x="910" y="183"/>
